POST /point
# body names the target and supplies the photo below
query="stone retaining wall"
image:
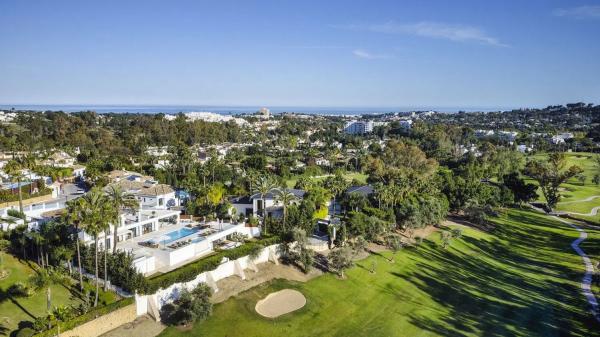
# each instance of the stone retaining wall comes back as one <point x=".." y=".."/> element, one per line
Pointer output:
<point x="104" y="323"/>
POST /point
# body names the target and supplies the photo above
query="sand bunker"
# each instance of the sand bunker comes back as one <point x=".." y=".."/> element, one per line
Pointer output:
<point x="280" y="303"/>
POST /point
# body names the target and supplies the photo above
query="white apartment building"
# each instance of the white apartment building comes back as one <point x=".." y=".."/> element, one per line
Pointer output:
<point x="358" y="127"/>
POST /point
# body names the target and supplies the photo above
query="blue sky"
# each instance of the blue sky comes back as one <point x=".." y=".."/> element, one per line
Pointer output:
<point x="300" y="53"/>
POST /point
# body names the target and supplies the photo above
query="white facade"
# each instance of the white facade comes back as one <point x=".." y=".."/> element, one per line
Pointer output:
<point x="135" y="225"/>
<point x="524" y="148"/>
<point x="253" y="205"/>
<point x="406" y="124"/>
<point x="358" y="127"/>
<point x="196" y="243"/>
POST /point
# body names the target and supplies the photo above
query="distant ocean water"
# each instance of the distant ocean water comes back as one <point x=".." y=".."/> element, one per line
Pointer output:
<point x="236" y="110"/>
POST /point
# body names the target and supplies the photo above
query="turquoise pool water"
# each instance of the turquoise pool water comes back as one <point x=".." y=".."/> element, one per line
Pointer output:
<point x="178" y="234"/>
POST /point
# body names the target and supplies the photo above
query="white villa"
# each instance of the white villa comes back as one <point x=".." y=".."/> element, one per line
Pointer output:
<point x="253" y="205"/>
<point x="155" y="233"/>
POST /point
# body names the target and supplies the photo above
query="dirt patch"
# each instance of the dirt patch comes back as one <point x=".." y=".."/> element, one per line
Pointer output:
<point x="458" y="220"/>
<point x="143" y="326"/>
<point x="234" y="285"/>
<point x="421" y="232"/>
<point x="280" y="303"/>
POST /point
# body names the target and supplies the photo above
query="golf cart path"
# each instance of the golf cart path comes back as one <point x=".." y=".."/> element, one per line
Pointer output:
<point x="581" y="200"/>
<point x="593" y="212"/>
<point x="586" y="282"/>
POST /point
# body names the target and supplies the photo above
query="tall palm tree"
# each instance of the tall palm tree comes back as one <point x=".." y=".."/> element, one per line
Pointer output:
<point x="38" y="241"/>
<point x="263" y="185"/>
<point x="40" y="280"/>
<point x="121" y="201"/>
<point x="286" y="198"/>
<point x="96" y="213"/>
<point x="74" y="217"/>
<point x="385" y="194"/>
<point x="14" y="169"/>
<point x="29" y="162"/>
<point x="336" y="184"/>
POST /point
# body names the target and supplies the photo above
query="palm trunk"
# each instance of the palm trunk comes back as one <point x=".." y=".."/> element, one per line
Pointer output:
<point x="96" y="259"/>
<point x="333" y="212"/>
<point x="284" y="219"/>
<point x="79" y="261"/>
<point x="105" y="262"/>
<point x="48" y="299"/>
<point x="264" y="212"/>
<point x="20" y="196"/>
<point x="115" y="235"/>
<point x="40" y="259"/>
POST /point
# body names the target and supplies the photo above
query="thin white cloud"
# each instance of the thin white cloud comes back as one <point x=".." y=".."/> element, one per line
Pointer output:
<point x="581" y="12"/>
<point x="317" y="47"/>
<point x="458" y="33"/>
<point x="363" y="54"/>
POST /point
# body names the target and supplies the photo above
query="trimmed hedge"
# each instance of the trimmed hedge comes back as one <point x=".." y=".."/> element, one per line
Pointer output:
<point x="88" y="316"/>
<point x="189" y="271"/>
<point x="7" y="196"/>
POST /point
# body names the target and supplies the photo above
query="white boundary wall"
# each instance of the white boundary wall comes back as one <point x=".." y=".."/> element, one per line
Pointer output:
<point x="152" y="303"/>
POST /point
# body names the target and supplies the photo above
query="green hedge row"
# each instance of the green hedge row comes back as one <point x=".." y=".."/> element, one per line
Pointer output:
<point x="88" y="316"/>
<point x="7" y="196"/>
<point x="189" y="271"/>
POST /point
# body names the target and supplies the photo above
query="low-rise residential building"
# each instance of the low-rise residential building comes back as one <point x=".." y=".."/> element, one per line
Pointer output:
<point x="406" y="124"/>
<point x="322" y="162"/>
<point x="253" y="205"/>
<point x="524" y="148"/>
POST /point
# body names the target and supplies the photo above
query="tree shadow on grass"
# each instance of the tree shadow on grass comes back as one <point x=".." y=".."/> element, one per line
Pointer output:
<point x="5" y="296"/>
<point x="4" y="331"/>
<point x="513" y="287"/>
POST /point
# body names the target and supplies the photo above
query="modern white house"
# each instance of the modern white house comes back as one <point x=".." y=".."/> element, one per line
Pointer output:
<point x="155" y="233"/>
<point x="253" y="205"/>
<point x="173" y="246"/>
<point x="154" y="212"/>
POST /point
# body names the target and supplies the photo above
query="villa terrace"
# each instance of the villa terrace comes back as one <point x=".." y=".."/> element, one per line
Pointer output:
<point x="170" y="247"/>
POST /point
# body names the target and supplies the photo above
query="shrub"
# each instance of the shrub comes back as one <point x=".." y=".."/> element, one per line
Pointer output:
<point x="15" y="213"/>
<point x="446" y="237"/>
<point x="25" y="332"/>
<point x="456" y="232"/>
<point x="255" y="251"/>
<point x="191" y="306"/>
<point x="41" y="323"/>
<point x="20" y="289"/>
<point x="340" y="259"/>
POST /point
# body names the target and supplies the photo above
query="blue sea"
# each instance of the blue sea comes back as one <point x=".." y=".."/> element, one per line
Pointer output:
<point x="237" y="110"/>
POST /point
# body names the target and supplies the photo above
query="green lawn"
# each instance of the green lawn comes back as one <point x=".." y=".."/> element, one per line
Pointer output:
<point x="23" y="310"/>
<point x="520" y="280"/>
<point x="574" y="191"/>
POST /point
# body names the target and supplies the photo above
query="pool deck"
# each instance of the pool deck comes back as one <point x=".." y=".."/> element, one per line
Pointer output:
<point x="215" y="229"/>
<point x="133" y="244"/>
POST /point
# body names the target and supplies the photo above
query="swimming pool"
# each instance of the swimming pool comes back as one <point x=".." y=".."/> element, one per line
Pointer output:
<point x="176" y="235"/>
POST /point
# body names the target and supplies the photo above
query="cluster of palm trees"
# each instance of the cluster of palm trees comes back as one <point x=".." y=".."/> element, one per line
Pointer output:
<point x="14" y="169"/>
<point x="265" y="184"/>
<point x="390" y="194"/>
<point x="94" y="213"/>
